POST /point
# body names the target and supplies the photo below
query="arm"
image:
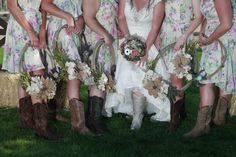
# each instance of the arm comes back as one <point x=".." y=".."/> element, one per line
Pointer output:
<point x="194" y="24"/>
<point x="42" y="32"/>
<point x="20" y="18"/>
<point x="225" y="14"/>
<point x="121" y="18"/>
<point x="91" y="21"/>
<point x="51" y="8"/>
<point x="158" y="15"/>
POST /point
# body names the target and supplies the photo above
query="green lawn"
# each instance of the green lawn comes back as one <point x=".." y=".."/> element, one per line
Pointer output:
<point x="151" y="140"/>
<point x="1" y="55"/>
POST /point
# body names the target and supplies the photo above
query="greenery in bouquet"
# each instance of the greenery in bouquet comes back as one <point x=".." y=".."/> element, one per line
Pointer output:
<point x="103" y="81"/>
<point x="133" y="48"/>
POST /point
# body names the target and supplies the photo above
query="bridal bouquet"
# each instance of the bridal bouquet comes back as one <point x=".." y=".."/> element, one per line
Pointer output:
<point x="41" y="86"/>
<point x="133" y="48"/>
<point x="180" y="65"/>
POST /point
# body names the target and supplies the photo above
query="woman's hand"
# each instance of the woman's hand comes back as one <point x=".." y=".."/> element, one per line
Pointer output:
<point x="79" y="25"/>
<point x="203" y="40"/>
<point x="71" y="23"/>
<point x="143" y="60"/>
<point x="108" y="39"/>
<point x="180" y="42"/>
<point x="33" y="39"/>
<point x="157" y="43"/>
<point x="42" y="39"/>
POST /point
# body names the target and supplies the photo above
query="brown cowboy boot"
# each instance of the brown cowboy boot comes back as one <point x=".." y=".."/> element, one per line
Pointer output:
<point x="95" y="121"/>
<point x="175" y="115"/>
<point x="53" y="112"/>
<point x="41" y="122"/>
<point x="26" y="113"/>
<point x="183" y="112"/>
<point x="77" y="117"/>
<point x="202" y="125"/>
<point x="220" y="112"/>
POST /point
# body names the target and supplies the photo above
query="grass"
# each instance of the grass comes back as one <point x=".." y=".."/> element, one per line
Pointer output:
<point x="1" y="55"/>
<point x="151" y="140"/>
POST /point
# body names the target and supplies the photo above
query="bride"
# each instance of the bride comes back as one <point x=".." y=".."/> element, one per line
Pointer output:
<point x="142" y="18"/>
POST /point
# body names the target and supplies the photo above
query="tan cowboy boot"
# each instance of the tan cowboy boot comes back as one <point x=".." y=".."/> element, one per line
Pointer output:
<point x="221" y="109"/>
<point x="202" y="125"/>
<point x="77" y="117"/>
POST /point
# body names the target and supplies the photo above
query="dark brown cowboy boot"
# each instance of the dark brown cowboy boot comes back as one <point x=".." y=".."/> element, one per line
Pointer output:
<point x="41" y="122"/>
<point x="175" y="115"/>
<point x="53" y="112"/>
<point x="77" y="117"/>
<point x="95" y="122"/>
<point x="26" y="112"/>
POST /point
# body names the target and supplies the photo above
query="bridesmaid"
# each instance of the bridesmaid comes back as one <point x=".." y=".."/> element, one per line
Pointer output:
<point x="221" y="24"/>
<point x="69" y="12"/>
<point x="178" y="15"/>
<point x="100" y="17"/>
<point x="27" y="23"/>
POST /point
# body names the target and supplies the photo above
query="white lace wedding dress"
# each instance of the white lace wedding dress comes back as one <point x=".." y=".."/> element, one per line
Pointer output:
<point x="129" y="76"/>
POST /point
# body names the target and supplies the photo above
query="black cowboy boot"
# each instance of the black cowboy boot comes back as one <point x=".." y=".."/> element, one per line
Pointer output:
<point x="95" y="122"/>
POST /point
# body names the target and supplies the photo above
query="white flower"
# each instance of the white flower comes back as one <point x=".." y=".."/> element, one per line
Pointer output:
<point x="181" y="75"/>
<point x="189" y="77"/>
<point x="70" y="64"/>
<point x="128" y="51"/>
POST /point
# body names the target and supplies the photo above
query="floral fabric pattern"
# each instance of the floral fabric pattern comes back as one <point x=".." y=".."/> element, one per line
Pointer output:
<point x="17" y="37"/>
<point x="69" y="42"/>
<point x="177" y="19"/>
<point x="107" y="16"/>
<point x="211" y="58"/>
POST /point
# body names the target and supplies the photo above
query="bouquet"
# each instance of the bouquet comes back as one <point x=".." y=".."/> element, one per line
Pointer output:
<point x="155" y="84"/>
<point x="133" y="48"/>
<point x="180" y="66"/>
<point x="42" y="87"/>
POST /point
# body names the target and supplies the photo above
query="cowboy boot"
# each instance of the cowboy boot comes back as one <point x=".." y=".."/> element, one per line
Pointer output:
<point x="95" y="121"/>
<point x="202" y="125"/>
<point x="138" y="107"/>
<point x="26" y="113"/>
<point x="41" y="122"/>
<point x="77" y="117"/>
<point x="220" y="112"/>
<point x="53" y="113"/>
<point x="175" y="115"/>
<point x="183" y="112"/>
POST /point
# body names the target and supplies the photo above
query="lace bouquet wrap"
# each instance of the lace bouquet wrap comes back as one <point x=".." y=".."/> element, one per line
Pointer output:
<point x="133" y="48"/>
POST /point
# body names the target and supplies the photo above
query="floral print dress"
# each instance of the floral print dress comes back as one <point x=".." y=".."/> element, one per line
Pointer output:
<point x="17" y="37"/>
<point x="211" y="58"/>
<point x="177" y="19"/>
<point x="107" y="17"/>
<point x="69" y="42"/>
